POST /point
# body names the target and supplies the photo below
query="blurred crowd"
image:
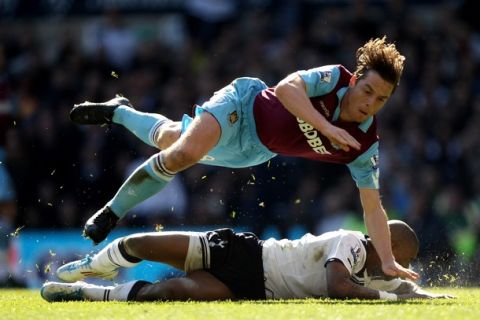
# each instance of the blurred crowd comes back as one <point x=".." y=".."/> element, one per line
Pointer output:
<point x="55" y="174"/>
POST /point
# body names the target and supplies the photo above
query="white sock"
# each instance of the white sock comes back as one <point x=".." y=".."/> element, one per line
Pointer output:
<point x="119" y="292"/>
<point x="111" y="258"/>
<point x="94" y="292"/>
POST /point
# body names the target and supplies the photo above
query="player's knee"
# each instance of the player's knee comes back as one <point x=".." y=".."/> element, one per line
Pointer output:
<point x="134" y="245"/>
<point x="168" y="134"/>
<point x="182" y="157"/>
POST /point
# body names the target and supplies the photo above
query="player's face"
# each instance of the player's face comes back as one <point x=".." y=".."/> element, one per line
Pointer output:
<point x="365" y="97"/>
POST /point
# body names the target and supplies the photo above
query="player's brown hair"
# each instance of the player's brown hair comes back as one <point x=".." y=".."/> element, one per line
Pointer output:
<point x="382" y="57"/>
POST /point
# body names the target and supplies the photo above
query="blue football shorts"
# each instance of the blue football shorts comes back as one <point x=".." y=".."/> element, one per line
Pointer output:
<point x="232" y="106"/>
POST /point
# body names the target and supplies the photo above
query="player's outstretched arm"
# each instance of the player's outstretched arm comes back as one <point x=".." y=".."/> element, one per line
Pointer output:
<point x="377" y="227"/>
<point x="410" y="290"/>
<point x="340" y="285"/>
<point x="291" y="92"/>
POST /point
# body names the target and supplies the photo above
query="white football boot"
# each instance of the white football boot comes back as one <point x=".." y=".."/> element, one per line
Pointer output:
<point x="81" y="269"/>
<point x="57" y="291"/>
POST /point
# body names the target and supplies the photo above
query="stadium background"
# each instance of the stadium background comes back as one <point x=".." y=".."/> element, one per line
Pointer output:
<point x="168" y="55"/>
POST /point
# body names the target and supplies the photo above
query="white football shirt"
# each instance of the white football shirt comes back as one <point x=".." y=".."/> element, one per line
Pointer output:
<point x="296" y="268"/>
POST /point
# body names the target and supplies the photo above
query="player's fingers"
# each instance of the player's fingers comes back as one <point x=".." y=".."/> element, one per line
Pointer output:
<point x="351" y="141"/>
<point x="392" y="272"/>
<point x="341" y="145"/>
<point x="347" y="139"/>
<point x="407" y="273"/>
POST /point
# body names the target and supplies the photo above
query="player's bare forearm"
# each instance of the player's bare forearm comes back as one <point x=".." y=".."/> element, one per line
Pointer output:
<point x="291" y="92"/>
<point x="340" y="286"/>
<point x="377" y="227"/>
<point x="376" y="222"/>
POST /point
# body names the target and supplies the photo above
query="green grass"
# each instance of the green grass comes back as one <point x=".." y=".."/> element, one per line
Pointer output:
<point x="27" y="304"/>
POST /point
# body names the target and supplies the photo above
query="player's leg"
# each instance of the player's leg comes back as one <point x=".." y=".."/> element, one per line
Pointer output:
<point x="165" y="247"/>
<point x="197" y="285"/>
<point x="119" y="110"/>
<point x="154" y="174"/>
<point x="167" y="134"/>
<point x="80" y="291"/>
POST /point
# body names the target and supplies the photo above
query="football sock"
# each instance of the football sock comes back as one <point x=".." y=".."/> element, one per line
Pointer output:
<point x="113" y="256"/>
<point x="141" y="124"/>
<point x="122" y="292"/>
<point x="94" y="292"/>
<point x="148" y="179"/>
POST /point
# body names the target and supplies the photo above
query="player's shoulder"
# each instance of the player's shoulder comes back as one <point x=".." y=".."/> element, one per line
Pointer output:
<point x="350" y="234"/>
<point x="336" y="70"/>
<point x="343" y="235"/>
<point x="326" y="73"/>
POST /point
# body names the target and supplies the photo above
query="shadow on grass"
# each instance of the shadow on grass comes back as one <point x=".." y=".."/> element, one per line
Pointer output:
<point x="327" y="301"/>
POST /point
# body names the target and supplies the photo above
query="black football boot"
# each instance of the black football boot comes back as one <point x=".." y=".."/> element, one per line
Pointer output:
<point x="100" y="224"/>
<point x="97" y="112"/>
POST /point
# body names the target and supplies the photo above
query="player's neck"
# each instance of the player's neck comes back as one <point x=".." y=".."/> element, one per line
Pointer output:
<point x="344" y="107"/>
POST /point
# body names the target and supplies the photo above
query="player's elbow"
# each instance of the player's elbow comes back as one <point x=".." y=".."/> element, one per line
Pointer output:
<point x="337" y="289"/>
<point x="292" y="83"/>
<point x="280" y="89"/>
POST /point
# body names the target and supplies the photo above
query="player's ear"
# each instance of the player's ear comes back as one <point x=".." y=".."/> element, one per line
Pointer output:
<point x="353" y="81"/>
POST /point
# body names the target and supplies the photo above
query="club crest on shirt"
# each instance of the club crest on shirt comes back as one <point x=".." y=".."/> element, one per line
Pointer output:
<point x="355" y="251"/>
<point x="233" y="117"/>
<point x="326" y="76"/>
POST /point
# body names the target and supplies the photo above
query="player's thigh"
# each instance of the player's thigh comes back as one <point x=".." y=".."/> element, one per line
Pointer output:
<point x="198" y="285"/>
<point x="200" y="136"/>
<point x="207" y="287"/>
<point x="168" y="134"/>
<point x="165" y="247"/>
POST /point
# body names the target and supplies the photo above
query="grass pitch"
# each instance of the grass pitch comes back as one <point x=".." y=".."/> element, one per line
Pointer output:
<point x="27" y="304"/>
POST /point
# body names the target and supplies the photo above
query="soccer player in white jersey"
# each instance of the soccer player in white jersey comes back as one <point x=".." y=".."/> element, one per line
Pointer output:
<point x="222" y="264"/>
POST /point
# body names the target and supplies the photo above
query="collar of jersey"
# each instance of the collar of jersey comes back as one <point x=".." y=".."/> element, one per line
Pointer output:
<point x="336" y="114"/>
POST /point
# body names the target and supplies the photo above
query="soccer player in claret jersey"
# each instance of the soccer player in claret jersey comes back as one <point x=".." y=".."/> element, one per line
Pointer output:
<point x="325" y="114"/>
<point x="222" y="264"/>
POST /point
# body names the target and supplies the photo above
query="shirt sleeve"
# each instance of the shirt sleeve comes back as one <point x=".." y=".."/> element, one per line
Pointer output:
<point x="349" y="250"/>
<point x="321" y="80"/>
<point x="364" y="169"/>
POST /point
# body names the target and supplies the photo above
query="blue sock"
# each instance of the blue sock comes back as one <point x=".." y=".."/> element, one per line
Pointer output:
<point x="148" y="179"/>
<point x="141" y="124"/>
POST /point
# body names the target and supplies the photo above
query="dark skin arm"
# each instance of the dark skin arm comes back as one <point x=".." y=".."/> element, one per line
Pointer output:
<point x="409" y="290"/>
<point x="340" y="286"/>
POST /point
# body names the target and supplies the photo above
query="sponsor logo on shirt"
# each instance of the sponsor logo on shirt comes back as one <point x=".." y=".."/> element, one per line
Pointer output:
<point x="313" y="137"/>
<point x="233" y="117"/>
<point x="325" y="110"/>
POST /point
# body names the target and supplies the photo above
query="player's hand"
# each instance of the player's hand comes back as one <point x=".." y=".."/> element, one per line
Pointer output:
<point x="421" y="294"/>
<point x="394" y="269"/>
<point x="340" y="138"/>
